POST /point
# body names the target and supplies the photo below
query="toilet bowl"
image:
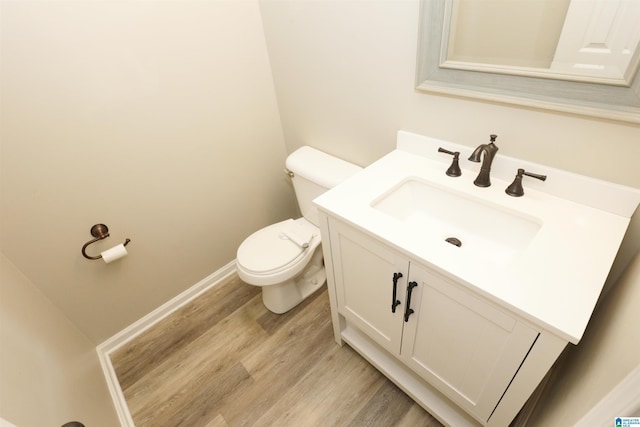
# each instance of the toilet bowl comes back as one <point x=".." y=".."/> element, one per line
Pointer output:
<point x="285" y="258"/>
<point x="287" y="272"/>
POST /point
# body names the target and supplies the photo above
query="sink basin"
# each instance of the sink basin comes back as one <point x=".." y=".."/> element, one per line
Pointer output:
<point x="473" y="227"/>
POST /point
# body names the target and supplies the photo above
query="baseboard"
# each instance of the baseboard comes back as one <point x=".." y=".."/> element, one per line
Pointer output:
<point x="110" y="345"/>
<point x="622" y="401"/>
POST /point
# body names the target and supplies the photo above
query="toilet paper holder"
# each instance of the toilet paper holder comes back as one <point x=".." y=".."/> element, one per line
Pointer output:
<point x="99" y="231"/>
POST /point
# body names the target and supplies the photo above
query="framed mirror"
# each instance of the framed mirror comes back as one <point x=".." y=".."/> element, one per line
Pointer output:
<point x="449" y="63"/>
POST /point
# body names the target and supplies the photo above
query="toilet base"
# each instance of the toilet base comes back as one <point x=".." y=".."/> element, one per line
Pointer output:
<point x="284" y="296"/>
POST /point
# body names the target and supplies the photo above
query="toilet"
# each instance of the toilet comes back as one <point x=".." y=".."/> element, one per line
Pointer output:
<point x="285" y="258"/>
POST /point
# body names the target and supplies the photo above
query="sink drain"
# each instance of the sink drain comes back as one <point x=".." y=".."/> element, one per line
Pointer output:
<point x="454" y="241"/>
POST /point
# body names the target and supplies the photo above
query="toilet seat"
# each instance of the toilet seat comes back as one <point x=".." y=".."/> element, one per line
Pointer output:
<point x="268" y="255"/>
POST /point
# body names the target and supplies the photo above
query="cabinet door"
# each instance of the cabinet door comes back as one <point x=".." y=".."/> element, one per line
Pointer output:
<point x="464" y="346"/>
<point x="364" y="272"/>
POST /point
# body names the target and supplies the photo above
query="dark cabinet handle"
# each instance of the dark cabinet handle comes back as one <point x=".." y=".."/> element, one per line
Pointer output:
<point x="394" y="301"/>
<point x="408" y="310"/>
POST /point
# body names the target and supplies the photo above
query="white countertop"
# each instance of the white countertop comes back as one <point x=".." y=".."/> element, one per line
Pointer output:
<point x="555" y="281"/>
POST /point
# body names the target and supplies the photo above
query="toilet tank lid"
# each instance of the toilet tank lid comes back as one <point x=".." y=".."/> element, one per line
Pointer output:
<point x="319" y="167"/>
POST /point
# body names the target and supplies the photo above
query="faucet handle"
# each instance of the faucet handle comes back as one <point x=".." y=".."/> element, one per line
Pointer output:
<point x="515" y="189"/>
<point x="454" y="169"/>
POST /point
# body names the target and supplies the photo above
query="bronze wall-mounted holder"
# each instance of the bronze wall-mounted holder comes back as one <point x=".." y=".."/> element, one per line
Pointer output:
<point x="99" y="231"/>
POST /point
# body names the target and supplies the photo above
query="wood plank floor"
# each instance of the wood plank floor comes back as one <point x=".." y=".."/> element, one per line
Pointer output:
<point x="225" y="360"/>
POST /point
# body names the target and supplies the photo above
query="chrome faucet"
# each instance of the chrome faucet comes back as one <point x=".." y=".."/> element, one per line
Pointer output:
<point x="489" y="150"/>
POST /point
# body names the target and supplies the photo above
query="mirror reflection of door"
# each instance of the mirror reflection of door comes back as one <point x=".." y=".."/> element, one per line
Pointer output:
<point x="582" y="40"/>
<point x="599" y="38"/>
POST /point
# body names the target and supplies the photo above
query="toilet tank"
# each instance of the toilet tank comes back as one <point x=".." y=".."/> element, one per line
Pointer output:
<point x="314" y="172"/>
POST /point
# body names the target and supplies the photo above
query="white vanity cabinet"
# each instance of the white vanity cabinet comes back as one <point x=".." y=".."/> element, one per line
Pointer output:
<point x="462" y="345"/>
<point x="488" y="316"/>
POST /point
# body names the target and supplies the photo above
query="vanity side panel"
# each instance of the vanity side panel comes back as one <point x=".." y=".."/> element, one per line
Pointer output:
<point x="538" y="362"/>
<point x="337" y="320"/>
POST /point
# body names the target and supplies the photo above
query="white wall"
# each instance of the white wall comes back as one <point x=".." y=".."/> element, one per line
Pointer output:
<point x="158" y="119"/>
<point x="345" y="79"/>
<point x="49" y="372"/>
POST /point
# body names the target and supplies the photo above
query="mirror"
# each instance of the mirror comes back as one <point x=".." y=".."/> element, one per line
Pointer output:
<point x="531" y="53"/>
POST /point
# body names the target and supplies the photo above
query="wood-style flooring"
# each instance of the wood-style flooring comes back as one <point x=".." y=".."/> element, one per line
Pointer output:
<point x="225" y="360"/>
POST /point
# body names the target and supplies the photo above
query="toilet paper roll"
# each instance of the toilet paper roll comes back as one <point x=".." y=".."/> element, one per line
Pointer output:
<point x="114" y="253"/>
